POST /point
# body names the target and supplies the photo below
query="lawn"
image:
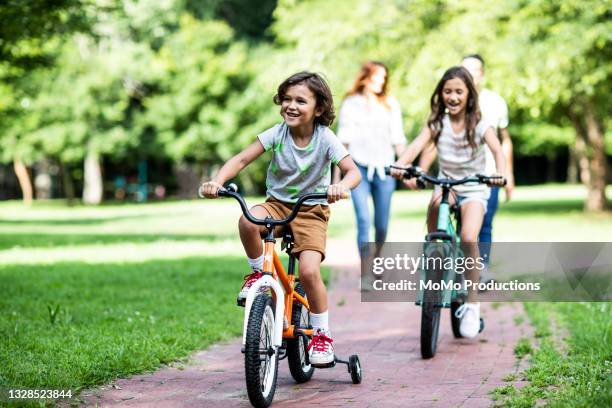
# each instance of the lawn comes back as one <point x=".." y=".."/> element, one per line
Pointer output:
<point x="90" y="294"/>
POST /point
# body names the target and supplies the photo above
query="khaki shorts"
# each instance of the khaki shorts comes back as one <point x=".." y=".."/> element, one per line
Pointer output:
<point x="309" y="227"/>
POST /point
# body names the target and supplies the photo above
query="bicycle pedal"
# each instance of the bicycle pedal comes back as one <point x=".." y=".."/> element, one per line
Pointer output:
<point x="240" y="302"/>
<point x="481" y="325"/>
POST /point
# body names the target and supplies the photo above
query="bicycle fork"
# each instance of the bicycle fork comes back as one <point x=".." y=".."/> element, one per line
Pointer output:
<point x="267" y="280"/>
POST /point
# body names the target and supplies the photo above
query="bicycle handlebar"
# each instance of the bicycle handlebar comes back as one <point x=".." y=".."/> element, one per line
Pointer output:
<point x="232" y="191"/>
<point x="415" y="171"/>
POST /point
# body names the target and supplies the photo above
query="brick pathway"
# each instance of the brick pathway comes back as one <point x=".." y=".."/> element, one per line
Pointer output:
<point x="384" y="335"/>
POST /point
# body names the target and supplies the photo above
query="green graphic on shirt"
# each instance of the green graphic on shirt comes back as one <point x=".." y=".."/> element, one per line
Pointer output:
<point x="321" y="189"/>
<point x="278" y="148"/>
<point x="325" y="171"/>
<point x="310" y="147"/>
<point x="293" y="191"/>
<point x="274" y="168"/>
<point x="304" y="169"/>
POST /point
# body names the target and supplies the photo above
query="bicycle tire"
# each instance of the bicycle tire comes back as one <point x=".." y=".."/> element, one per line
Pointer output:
<point x="455" y="321"/>
<point x="296" y="348"/>
<point x="455" y="304"/>
<point x="259" y="337"/>
<point x="430" y="317"/>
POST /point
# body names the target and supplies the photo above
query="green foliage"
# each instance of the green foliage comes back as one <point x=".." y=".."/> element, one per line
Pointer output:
<point x="192" y="81"/>
<point x="202" y="70"/>
<point x="26" y="27"/>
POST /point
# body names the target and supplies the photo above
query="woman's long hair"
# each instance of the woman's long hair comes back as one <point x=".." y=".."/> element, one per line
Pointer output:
<point x="438" y="109"/>
<point x="365" y="75"/>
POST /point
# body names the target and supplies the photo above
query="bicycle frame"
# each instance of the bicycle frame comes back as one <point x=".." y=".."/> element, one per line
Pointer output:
<point x="274" y="273"/>
<point x="274" y="276"/>
<point x="445" y="234"/>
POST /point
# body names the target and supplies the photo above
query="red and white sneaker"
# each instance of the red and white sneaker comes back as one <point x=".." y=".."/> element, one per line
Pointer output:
<point x="321" y="349"/>
<point x="249" y="280"/>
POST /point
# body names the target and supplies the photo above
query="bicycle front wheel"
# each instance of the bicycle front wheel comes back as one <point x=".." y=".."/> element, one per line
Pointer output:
<point x="430" y="327"/>
<point x="260" y="356"/>
<point x="430" y="315"/>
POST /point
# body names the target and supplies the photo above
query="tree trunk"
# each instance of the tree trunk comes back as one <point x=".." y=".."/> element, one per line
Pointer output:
<point x="583" y="160"/>
<point x="21" y="171"/>
<point x="67" y="183"/>
<point x="596" y="199"/>
<point x="43" y="183"/>
<point x="92" y="189"/>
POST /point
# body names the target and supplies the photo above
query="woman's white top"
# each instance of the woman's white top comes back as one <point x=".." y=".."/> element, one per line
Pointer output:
<point x="371" y="130"/>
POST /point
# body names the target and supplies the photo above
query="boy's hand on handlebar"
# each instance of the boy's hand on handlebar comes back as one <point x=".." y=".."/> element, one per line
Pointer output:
<point x="336" y="192"/>
<point x="210" y="189"/>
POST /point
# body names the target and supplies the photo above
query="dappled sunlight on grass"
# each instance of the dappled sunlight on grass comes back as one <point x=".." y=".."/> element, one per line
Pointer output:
<point x="126" y="252"/>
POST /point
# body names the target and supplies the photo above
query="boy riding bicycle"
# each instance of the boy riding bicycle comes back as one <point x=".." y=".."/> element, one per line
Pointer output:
<point x="303" y="149"/>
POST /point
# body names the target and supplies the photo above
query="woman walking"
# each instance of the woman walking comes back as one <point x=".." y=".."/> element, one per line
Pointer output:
<point x="370" y="125"/>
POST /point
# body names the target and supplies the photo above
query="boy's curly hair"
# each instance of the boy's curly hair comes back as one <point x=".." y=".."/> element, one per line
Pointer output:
<point x="317" y="86"/>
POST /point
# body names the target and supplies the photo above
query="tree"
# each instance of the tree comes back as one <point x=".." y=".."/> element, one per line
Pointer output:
<point x="567" y="80"/>
<point x="30" y="32"/>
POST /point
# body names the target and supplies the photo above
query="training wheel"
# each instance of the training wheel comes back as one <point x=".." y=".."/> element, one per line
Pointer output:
<point x="355" y="369"/>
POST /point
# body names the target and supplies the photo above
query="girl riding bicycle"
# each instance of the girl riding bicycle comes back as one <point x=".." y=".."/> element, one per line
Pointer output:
<point x="303" y="149"/>
<point x="456" y="128"/>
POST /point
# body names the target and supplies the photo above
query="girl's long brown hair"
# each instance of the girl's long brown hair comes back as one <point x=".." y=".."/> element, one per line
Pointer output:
<point x="366" y="72"/>
<point x="438" y="109"/>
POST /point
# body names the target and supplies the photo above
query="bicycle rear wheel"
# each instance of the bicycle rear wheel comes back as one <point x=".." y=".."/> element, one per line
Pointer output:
<point x="260" y="357"/>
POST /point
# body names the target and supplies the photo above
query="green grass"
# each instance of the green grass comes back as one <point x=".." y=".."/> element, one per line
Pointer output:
<point x="89" y="294"/>
<point x="73" y="325"/>
<point x="572" y="372"/>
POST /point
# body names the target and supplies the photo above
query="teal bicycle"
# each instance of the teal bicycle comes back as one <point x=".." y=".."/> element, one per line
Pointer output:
<point x="446" y="288"/>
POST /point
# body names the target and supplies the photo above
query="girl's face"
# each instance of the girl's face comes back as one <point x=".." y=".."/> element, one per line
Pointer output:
<point x="374" y="84"/>
<point x="299" y="106"/>
<point x="455" y="95"/>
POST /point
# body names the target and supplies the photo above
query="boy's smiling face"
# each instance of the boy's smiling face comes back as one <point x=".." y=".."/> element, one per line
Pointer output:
<point x="299" y="106"/>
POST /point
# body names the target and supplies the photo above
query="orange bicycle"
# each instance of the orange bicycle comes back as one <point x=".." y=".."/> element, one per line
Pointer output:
<point x="277" y="326"/>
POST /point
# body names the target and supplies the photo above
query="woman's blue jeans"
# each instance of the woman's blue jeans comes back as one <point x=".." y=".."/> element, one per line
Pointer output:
<point x="381" y="191"/>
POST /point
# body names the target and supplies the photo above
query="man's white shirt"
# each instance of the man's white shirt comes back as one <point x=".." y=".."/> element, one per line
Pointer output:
<point x="495" y="112"/>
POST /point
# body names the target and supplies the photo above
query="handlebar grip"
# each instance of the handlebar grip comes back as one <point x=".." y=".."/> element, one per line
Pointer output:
<point x="346" y="195"/>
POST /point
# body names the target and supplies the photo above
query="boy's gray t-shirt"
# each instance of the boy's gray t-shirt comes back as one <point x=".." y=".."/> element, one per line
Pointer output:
<point x="294" y="170"/>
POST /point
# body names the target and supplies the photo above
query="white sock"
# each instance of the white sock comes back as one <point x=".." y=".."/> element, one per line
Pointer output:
<point x="256" y="263"/>
<point x="320" y="321"/>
